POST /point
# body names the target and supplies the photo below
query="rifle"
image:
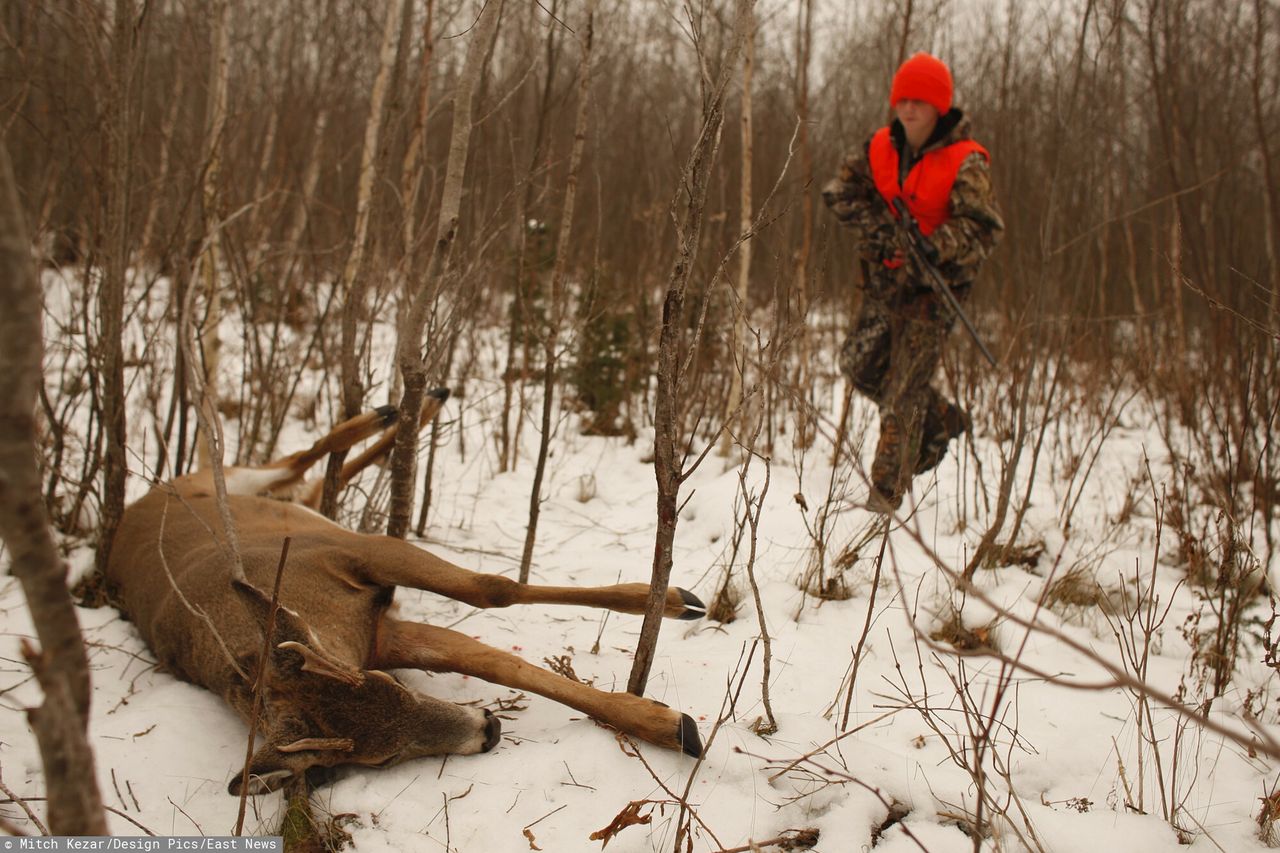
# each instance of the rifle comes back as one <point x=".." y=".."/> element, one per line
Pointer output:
<point x="915" y="241"/>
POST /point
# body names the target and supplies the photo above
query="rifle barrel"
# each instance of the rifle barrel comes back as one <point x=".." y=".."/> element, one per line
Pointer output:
<point x="908" y="224"/>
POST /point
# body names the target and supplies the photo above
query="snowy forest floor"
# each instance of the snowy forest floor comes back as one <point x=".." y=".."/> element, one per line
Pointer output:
<point x="940" y="739"/>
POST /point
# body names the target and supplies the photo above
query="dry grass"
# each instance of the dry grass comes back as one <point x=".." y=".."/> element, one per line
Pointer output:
<point x="962" y="638"/>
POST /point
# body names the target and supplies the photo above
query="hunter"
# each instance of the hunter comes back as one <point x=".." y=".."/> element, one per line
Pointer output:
<point x="927" y="158"/>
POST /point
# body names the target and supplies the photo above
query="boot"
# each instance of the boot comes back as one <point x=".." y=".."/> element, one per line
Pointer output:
<point x="886" y="469"/>
<point x="942" y="422"/>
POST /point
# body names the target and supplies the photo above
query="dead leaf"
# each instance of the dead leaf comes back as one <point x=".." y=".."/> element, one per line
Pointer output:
<point x="629" y="816"/>
<point x="528" y="833"/>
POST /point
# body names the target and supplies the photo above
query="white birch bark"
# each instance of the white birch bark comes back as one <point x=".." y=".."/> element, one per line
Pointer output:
<point x="404" y="456"/>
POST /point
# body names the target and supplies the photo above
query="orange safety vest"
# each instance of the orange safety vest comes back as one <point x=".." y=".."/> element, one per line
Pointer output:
<point x="927" y="191"/>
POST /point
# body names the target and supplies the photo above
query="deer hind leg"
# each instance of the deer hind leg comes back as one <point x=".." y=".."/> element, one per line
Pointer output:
<point x="395" y="562"/>
<point x="377" y="452"/>
<point x="417" y="646"/>
<point x="283" y="474"/>
<point x="278" y="478"/>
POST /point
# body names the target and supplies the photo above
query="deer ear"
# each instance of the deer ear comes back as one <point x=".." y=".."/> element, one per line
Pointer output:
<point x="291" y="634"/>
<point x="281" y="757"/>
<point x="289" y="625"/>
<point x="269" y="770"/>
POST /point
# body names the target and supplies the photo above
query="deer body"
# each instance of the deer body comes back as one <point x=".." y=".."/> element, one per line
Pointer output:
<point x="327" y="697"/>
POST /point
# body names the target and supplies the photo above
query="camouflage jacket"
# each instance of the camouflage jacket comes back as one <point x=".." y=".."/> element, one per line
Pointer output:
<point x="962" y="242"/>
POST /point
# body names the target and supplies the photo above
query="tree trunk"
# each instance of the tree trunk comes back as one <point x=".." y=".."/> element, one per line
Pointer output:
<point x="805" y="423"/>
<point x="355" y="275"/>
<point x="411" y="171"/>
<point x="62" y="666"/>
<point x="404" y="456"/>
<point x="737" y="348"/>
<point x="111" y="293"/>
<point x="509" y="439"/>
<point x="551" y="337"/>
<point x="156" y="203"/>
<point x="1271" y="194"/>
<point x="219" y="74"/>
<point x="667" y="462"/>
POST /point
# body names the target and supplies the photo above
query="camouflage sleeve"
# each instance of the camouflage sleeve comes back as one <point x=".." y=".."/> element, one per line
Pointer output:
<point x="975" y="226"/>
<point x="853" y="198"/>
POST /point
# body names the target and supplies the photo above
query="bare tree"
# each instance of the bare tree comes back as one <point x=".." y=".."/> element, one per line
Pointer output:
<point x="215" y="127"/>
<point x="521" y="314"/>
<point x="1271" y="195"/>
<point x="118" y="125"/>
<point x="61" y="666"/>
<point x="555" y="295"/>
<point x="414" y="163"/>
<point x="738" y="346"/>
<point x="668" y="465"/>
<point x="355" y="273"/>
<point x="801" y="287"/>
<point x="413" y="368"/>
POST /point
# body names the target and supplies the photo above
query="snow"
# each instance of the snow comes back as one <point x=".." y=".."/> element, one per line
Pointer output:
<point x="165" y="749"/>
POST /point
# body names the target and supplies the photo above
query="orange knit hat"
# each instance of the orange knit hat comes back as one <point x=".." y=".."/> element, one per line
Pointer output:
<point x="923" y="78"/>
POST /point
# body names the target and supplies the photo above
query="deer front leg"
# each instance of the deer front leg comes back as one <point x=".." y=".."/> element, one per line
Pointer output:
<point x="417" y="646"/>
<point x="391" y="561"/>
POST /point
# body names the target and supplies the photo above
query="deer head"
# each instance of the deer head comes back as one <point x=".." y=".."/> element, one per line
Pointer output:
<point x="320" y="712"/>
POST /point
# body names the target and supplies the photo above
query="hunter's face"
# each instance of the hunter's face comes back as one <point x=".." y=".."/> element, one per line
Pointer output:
<point x="918" y="119"/>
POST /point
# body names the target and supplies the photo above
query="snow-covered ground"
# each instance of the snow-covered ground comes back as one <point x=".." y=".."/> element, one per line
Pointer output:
<point x="1070" y="766"/>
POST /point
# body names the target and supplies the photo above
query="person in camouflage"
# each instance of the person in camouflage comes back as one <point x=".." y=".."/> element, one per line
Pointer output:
<point x="927" y="157"/>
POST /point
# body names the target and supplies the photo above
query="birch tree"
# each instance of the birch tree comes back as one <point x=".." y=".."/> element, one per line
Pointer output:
<point x="738" y="346"/>
<point x="413" y="369"/>
<point x="555" y="296"/>
<point x="118" y="125"/>
<point x="804" y="50"/>
<point x="668" y="465"/>
<point x="219" y="79"/>
<point x="355" y="274"/>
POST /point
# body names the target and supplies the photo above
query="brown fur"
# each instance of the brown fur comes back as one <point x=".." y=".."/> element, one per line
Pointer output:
<point x="327" y="699"/>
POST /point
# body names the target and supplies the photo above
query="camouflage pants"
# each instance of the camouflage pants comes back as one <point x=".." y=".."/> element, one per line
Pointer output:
<point x="890" y="356"/>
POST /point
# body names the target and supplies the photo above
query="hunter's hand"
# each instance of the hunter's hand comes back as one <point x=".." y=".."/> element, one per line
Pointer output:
<point x="831" y="192"/>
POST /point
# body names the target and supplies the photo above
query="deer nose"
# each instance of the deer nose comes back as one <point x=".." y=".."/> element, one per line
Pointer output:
<point x="492" y="731"/>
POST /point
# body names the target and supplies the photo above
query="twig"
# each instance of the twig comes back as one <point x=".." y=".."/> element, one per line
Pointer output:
<point x="839" y="774"/>
<point x="21" y="803"/>
<point x="116" y="785"/>
<point x="728" y="707"/>
<point x="835" y="740"/>
<point x="119" y="813"/>
<point x="545" y="816"/>
<point x="268" y="633"/>
<point x="183" y="812"/>
<point x="796" y="840"/>
<point x="866" y="627"/>
<point x="11" y="828"/>
<point x="1264" y="742"/>
<point x="195" y="609"/>
<point x="753" y="521"/>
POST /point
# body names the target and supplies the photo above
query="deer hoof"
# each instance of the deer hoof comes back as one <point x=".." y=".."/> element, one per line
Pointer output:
<point x="693" y="606"/>
<point x="690" y="741"/>
<point x="388" y="414"/>
<point x="492" y="731"/>
<point x="440" y="394"/>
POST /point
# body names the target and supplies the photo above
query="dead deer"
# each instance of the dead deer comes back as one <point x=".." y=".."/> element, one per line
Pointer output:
<point x="328" y="699"/>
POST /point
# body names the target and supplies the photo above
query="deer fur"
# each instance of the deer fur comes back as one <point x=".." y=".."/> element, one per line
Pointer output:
<point x="327" y="698"/>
